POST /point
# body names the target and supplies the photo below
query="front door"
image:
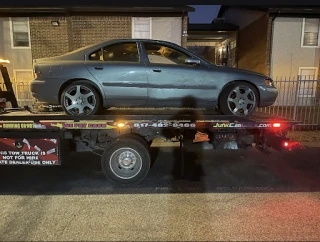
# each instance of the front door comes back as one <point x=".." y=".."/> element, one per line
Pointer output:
<point x="118" y="69"/>
<point x="171" y="81"/>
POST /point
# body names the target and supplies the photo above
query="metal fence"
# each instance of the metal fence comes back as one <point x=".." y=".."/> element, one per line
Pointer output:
<point x="299" y="100"/>
<point x="22" y="92"/>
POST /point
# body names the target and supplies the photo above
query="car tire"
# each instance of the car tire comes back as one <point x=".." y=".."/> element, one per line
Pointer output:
<point x="131" y="171"/>
<point x="91" y="102"/>
<point x="240" y="99"/>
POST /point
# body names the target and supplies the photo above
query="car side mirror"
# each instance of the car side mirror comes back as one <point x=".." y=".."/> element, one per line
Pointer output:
<point x="192" y="61"/>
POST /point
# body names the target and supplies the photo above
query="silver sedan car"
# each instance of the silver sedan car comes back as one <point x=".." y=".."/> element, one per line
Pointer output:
<point x="146" y="73"/>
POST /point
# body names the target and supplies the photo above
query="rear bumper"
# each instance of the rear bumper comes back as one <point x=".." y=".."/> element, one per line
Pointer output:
<point x="268" y="95"/>
<point x="46" y="91"/>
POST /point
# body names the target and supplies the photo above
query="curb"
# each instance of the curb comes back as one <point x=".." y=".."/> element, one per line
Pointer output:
<point x="311" y="144"/>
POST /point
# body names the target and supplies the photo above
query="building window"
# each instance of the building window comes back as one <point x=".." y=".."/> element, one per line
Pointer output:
<point x="20" y="34"/>
<point x="307" y="81"/>
<point x="141" y="28"/>
<point x="310" y="32"/>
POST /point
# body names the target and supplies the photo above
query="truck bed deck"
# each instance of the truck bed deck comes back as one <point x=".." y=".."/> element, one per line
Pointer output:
<point x="141" y="114"/>
<point x="139" y="118"/>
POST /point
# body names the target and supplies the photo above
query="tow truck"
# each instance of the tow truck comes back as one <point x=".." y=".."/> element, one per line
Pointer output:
<point x="123" y="137"/>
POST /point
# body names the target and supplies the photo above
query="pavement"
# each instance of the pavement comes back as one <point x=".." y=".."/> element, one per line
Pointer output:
<point x="230" y="196"/>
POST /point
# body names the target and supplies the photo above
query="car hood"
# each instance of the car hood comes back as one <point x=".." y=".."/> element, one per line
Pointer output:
<point x="240" y="71"/>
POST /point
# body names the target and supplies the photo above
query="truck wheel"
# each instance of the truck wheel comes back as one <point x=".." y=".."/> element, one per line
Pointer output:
<point x="239" y="99"/>
<point x="126" y="161"/>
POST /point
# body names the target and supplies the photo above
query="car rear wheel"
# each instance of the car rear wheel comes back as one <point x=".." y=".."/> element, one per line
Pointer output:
<point x="80" y="98"/>
<point x="239" y="99"/>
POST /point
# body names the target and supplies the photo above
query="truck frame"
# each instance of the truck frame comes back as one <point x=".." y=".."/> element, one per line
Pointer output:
<point x="123" y="138"/>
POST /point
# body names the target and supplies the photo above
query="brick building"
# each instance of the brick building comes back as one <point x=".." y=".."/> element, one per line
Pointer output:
<point x="276" y="41"/>
<point x="37" y="32"/>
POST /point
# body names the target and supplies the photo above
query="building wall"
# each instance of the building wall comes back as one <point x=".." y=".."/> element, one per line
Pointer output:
<point x="46" y="40"/>
<point x="242" y="17"/>
<point x="20" y="58"/>
<point x="287" y="53"/>
<point x="74" y="32"/>
<point x="252" y="46"/>
<point x="253" y="38"/>
<point x="87" y="30"/>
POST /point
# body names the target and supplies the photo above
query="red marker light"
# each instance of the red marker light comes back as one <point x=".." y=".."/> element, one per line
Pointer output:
<point x="286" y="144"/>
<point x="276" y="125"/>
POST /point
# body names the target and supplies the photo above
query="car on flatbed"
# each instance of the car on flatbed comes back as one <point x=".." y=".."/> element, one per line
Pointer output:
<point x="146" y="73"/>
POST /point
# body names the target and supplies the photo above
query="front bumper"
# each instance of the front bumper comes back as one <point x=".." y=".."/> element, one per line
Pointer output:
<point x="268" y="95"/>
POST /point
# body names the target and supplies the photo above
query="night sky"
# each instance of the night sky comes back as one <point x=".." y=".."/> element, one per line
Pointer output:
<point x="204" y="13"/>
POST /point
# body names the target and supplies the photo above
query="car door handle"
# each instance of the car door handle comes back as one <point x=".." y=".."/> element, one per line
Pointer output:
<point x="98" y="67"/>
<point x="156" y="70"/>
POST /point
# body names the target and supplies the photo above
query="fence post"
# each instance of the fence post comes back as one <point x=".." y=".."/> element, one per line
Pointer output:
<point x="295" y="107"/>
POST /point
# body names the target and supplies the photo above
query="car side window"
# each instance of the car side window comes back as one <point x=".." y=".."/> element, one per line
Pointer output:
<point x="126" y="52"/>
<point x="160" y="54"/>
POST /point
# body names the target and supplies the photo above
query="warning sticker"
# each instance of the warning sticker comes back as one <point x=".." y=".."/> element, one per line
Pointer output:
<point x="40" y="152"/>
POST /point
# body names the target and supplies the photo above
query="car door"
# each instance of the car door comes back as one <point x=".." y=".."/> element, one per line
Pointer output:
<point x="118" y="69"/>
<point x="171" y="80"/>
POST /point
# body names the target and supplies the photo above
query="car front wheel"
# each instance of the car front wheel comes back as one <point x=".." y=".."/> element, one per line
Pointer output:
<point x="80" y="98"/>
<point x="239" y="99"/>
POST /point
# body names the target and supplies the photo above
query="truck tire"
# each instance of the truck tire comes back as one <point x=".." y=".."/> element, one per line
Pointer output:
<point x="126" y="161"/>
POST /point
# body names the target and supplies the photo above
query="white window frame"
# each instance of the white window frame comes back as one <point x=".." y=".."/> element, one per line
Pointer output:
<point x="302" y="36"/>
<point x="315" y="81"/>
<point x="11" y="36"/>
<point x="132" y="26"/>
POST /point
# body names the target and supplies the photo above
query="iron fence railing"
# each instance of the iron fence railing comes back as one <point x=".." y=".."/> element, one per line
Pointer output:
<point x="22" y="92"/>
<point x="298" y="99"/>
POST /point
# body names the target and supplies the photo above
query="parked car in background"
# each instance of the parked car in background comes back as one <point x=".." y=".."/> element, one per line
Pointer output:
<point x="146" y="73"/>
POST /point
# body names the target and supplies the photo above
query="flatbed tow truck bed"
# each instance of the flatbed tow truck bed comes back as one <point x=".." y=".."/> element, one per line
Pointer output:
<point x="123" y="137"/>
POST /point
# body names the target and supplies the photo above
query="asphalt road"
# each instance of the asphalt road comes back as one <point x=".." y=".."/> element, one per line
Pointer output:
<point x="232" y="195"/>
